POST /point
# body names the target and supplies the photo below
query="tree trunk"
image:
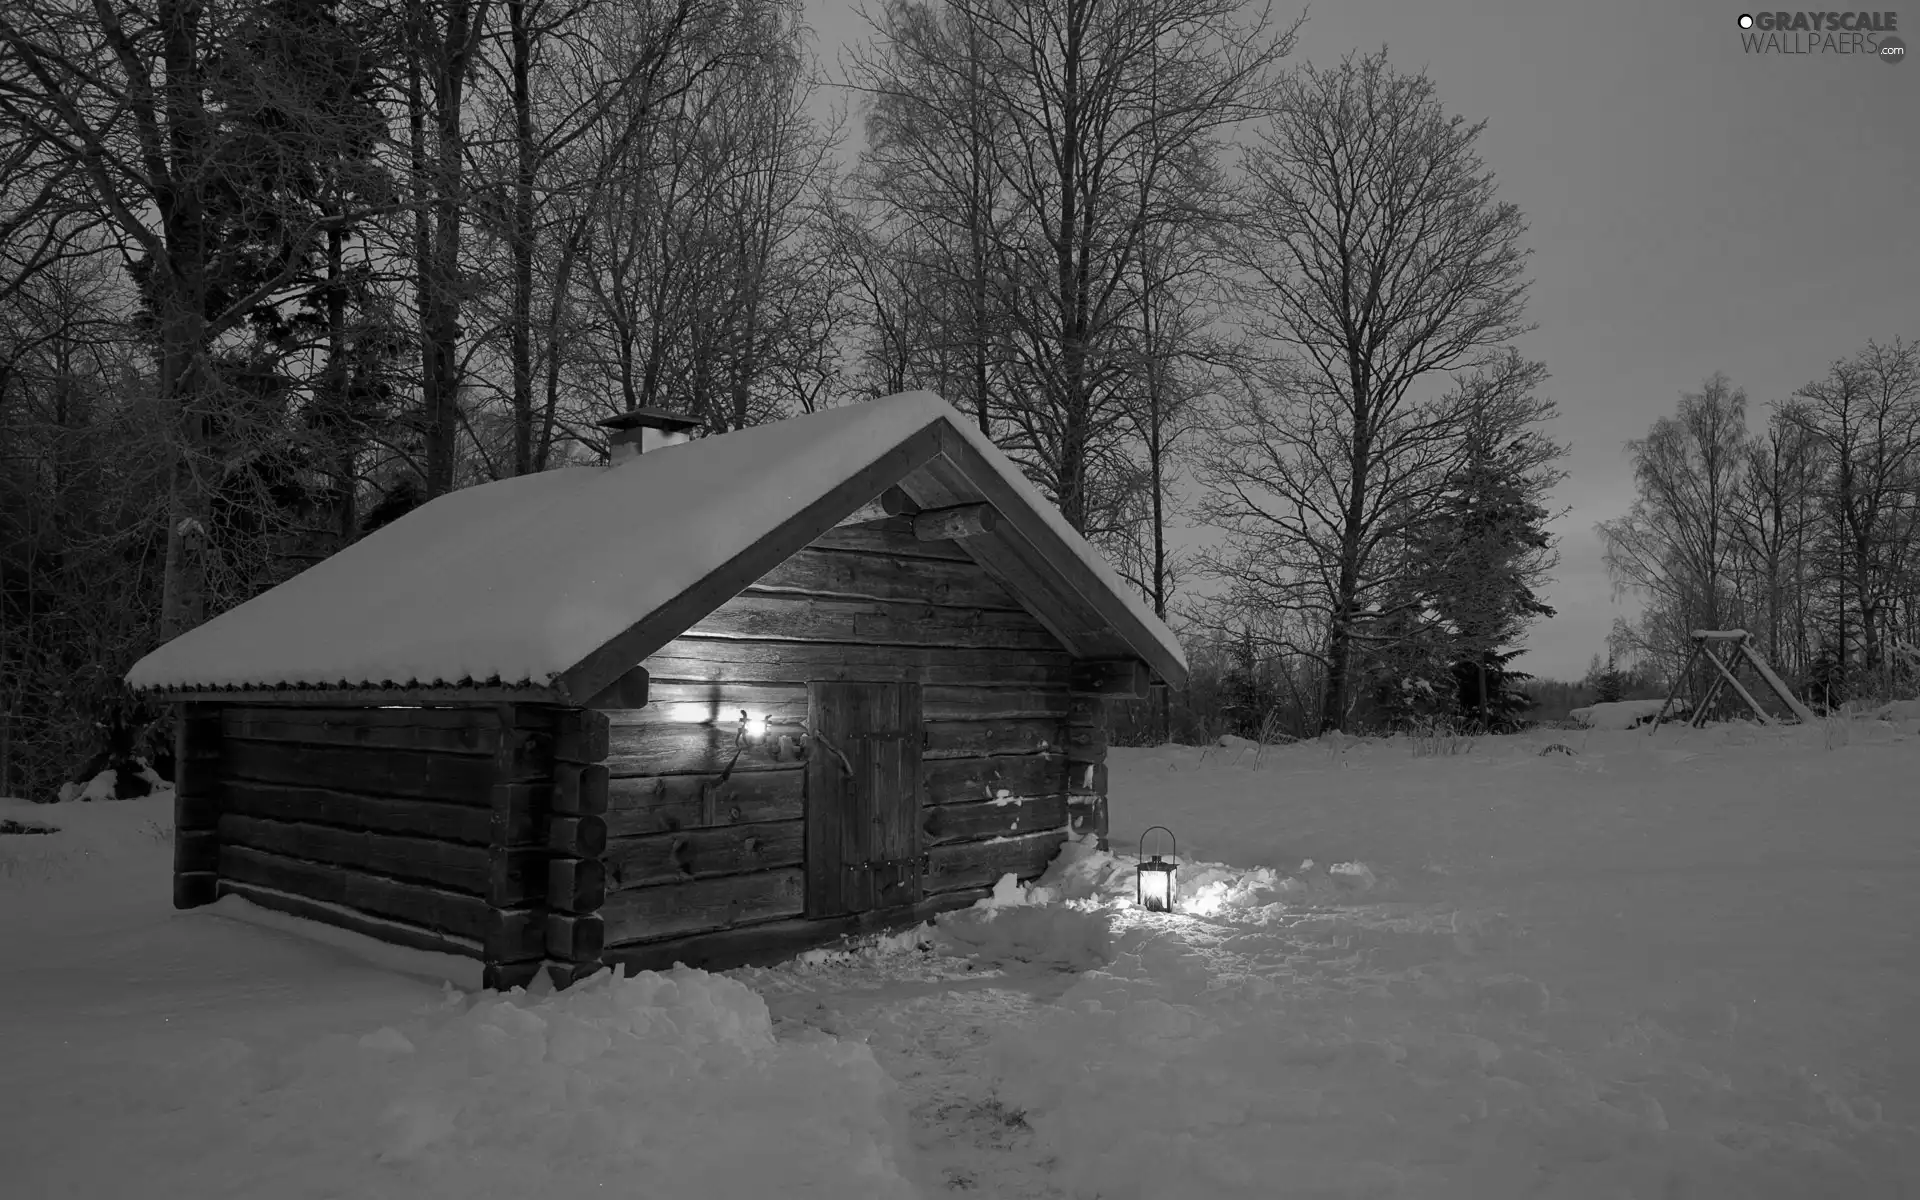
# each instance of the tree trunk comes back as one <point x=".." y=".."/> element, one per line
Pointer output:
<point x="1347" y="587"/>
<point x="1333" y="701"/>
<point x="180" y="298"/>
<point x="422" y="190"/>
<point x="1070" y="263"/>
<point x="443" y="313"/>
<point x="1156" y="470"/>
<point x="556" y="318"/>
<point x="1072" y="473"/>
<point x="522" y="330"/>
<point x="183" y="593"/>
<point x="339" y="399"/>
<point x="453" y="58"/>
<point x="1868" y="603"/>
<point x="981" y="378"/>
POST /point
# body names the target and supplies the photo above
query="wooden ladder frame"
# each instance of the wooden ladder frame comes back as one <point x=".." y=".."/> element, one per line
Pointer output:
<point x="1739" y="645"/>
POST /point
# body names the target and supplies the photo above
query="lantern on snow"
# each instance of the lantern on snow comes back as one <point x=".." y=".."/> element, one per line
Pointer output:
<point x="1153" y="885"/>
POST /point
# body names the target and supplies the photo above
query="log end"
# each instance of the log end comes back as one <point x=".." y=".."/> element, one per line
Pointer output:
<point x="577" y="837"/>
<point x="960" y="521"/>
<point x="565" y="975"/>
<point x="580" y="790"/>
<point x="501" y="977"/>
<point x="576" y="939"/>
<point x="576" y="885"/>
<point x="192" y="889"/>
<point x="196" y="851"/>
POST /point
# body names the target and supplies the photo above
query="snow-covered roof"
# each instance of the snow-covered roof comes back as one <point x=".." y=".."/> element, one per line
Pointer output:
<point x="522" y="581"/>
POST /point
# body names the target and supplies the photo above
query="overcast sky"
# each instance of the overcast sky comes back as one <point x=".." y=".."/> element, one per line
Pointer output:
<point x="1692" y="208"/>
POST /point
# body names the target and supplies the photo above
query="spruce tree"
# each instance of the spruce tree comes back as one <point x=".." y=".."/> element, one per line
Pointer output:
<point x="1611" y="683"/>
<point x="1482" y="552"/>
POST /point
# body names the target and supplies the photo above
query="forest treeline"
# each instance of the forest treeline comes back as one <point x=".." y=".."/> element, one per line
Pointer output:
<point x="1804" y="531"/>
<point x="273" y="274"/>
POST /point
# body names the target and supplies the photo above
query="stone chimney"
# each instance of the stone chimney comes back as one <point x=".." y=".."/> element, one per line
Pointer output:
<point x="645" y="429"/>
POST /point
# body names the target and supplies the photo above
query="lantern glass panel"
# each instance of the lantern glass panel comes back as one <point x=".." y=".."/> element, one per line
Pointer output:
<point x="1156" y="885"/>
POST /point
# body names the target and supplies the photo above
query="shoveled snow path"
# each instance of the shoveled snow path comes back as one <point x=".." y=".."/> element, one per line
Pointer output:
<point x="929" y="1020"/>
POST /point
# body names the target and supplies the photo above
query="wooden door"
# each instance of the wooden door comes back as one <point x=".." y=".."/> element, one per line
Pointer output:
<point x="863" y="797"/>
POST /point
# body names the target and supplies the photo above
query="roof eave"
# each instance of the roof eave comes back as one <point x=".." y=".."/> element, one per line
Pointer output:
<point x="1060" y="560"/>
<point x="396" y="695"/>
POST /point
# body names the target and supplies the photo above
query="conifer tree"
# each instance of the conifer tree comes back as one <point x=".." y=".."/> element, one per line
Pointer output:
<point x="1481" y="556"/>
<point x="1607" y="682"/>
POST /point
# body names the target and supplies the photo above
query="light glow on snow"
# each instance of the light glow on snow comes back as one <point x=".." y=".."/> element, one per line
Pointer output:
<point x="1206" y="900"/>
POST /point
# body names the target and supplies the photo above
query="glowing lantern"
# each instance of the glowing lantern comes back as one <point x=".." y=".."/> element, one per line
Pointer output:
<point x="752" y="729"/>
<point x="1153" y="884"/>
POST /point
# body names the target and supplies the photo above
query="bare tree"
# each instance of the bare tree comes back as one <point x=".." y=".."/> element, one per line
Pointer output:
<point x="935" y="130"/>
<point x="82" y="502"/>
<point x="1186" y="211"/>
<point x="707" y="262"/>
<point x="636" y="67"/>
<point x="1865" y="414"/>
<point x="762" y="247"/>
<point x="213" y="210"/>
<point x="442" y="43"/>
<point x="1675" y="545"/>
<point x="45" y="219"/>
<point x="1175" y="359"/>
<point x="1379" y="258"/>
<point x="1079" y="101"/>
<point x="1771" y="518"/>
<point x="568" y="89"/>
<point x="888" y="290"/>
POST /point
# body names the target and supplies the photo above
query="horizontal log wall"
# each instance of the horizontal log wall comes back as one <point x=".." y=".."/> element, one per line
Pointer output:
<point x="695" y="862"/>
<point x="422" y="826"/>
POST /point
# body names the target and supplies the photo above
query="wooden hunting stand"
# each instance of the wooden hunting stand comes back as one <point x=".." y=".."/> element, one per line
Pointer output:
<point x="1739" y="645"/>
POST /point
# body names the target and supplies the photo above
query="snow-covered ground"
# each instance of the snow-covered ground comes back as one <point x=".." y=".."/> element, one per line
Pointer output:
<point x="1622" y="714"/>
<point x="1678" y="965"/>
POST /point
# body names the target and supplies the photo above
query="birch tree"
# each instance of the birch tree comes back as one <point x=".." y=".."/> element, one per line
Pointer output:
<point x="1675" y="545"/>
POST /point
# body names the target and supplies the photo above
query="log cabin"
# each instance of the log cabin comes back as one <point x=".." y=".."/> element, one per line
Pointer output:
<point x="714" y="702"/>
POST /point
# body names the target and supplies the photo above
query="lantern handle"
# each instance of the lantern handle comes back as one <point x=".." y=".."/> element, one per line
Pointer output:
<point x="1142" y="852"/>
